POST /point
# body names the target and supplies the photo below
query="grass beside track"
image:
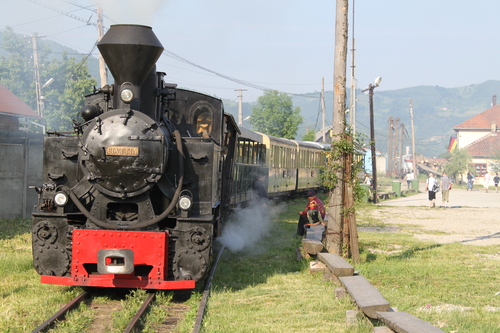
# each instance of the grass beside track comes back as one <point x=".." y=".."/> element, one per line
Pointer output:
<point x="265" y="289"/>
<point x="25" y="303"/>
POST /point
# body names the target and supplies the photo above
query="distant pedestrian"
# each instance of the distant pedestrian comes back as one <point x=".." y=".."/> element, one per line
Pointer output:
<point x="368" y="179"/>
<point x="409" y="177"/>
<point x="496" y="180"/>
<point x="446" y="185"/>
<point x="430" y="187"/>
<point x="470" y="181"/>
<point x="486" y="181"/>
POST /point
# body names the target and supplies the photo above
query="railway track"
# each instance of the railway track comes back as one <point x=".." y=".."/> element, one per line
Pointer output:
<point x="135" y="324"/>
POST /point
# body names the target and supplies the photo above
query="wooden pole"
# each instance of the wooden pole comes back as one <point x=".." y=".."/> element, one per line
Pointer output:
<point x="100" y="34"/>
<point x="323" y="110"/>
<point x="372" y="145"/>
<point x="414" y="154"/>
<point x="334" y="228"/>
<point x="350" y="226"/>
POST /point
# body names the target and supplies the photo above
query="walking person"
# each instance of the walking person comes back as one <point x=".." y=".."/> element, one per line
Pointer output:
<point x="430" y="187"/>
<point x="409" y="177"/>
<point x="470" y="181"/>
<point x="446" y="185"/>
<point x="486" y="181"/>
<point x="496" y="180"/>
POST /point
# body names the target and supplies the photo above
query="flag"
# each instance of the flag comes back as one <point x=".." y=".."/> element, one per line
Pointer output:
<point x="453" y="143"/>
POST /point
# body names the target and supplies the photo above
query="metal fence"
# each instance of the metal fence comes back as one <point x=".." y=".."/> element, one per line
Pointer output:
<point x="21" y="155"/>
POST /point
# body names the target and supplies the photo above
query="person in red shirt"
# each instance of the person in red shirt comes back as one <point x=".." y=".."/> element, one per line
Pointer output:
<point x="313" y="213"/>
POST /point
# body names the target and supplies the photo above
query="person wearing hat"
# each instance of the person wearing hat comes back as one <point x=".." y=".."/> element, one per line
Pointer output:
<point x="313" y="213"/>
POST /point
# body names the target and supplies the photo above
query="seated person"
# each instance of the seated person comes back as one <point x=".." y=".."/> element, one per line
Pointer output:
<point x="313" y="213"/>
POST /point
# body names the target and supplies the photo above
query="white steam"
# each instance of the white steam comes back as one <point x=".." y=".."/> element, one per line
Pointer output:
<point x="247" y="226"/>
<point x="131" y="11"/>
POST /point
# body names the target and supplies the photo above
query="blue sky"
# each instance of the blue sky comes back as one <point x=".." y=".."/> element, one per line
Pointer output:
<point x="288" y="45"/>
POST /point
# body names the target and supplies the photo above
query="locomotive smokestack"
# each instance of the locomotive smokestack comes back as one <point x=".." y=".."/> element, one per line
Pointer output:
<point x="130" y="51"/>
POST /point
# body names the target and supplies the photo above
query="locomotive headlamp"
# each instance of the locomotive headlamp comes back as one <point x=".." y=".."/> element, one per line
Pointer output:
<point x="127" y="95"/>
<point x="61" y="199"/>
<point x="185" y="202"/>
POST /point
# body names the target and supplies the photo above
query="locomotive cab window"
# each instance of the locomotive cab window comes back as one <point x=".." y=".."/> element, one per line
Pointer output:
<point x="203" y="121"/>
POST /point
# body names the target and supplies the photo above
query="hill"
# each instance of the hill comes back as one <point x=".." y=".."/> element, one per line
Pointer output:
<point x="436" y="111"/>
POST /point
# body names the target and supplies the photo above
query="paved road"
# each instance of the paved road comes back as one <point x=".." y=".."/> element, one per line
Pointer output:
<point x="458" y="198"/>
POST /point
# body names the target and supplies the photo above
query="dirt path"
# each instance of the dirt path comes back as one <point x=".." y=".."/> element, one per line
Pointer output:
<point x="473" y="217"/>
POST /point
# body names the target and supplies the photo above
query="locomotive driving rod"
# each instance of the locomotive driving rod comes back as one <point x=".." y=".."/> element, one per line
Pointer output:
<point x="102" y="224"/>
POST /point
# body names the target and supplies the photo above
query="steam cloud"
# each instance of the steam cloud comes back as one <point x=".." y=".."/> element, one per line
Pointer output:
<point x="131" y="11"/>
<point x="247" y="226"/>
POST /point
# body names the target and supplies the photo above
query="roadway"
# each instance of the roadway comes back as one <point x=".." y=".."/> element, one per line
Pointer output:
<point x="458" y="198"/>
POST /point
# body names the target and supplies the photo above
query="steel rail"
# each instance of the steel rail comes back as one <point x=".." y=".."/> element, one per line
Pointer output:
<point x="133" y="326"/>
<point x="206" y="293"/>
<point x="62" y="313"/>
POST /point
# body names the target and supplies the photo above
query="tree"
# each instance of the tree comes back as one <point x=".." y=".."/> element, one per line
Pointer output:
<point x="309" y="136"/>
<point x="274" y="115"/>
<point x="459" y="162"/>
<point x="64" y="98"/>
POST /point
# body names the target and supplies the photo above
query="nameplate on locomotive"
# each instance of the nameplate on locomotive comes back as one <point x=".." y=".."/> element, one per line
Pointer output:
<point x="122" y="151"/>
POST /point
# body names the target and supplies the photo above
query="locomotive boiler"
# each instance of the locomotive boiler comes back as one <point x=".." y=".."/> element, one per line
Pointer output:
<point x="135" y="197"/>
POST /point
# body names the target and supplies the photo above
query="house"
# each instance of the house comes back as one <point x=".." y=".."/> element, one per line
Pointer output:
<point x="12" y="108"/>
<point x="479" y="135"/>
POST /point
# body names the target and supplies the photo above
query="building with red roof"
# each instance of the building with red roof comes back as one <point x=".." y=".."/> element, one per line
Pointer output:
<point x="479" y="135"/>
<point x="11" y="109"/>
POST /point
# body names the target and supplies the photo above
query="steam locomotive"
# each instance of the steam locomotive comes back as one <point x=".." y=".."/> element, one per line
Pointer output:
<point x="136" y="197"/>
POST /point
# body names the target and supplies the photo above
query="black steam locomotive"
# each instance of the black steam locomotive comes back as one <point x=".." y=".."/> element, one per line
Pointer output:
<point x="135" y="198"/>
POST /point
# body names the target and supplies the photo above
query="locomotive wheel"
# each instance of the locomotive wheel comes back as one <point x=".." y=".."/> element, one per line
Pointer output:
<point x="51" y="260"/>
<point x="189" y="265"/>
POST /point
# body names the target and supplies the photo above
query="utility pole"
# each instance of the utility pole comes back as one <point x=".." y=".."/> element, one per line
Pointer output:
<point x="240" y="106"/>
<point x="323" y="111"/>
<point x="334" y="228"/>
<point x="352" y="119"/>
<point x="396" y="146"/>
<point x="38" y="87"/>
<point x="414" y="154"/>
<point x="390" y="155"/>
<point x="401" y="145"/>
<point x="100" y="34"/>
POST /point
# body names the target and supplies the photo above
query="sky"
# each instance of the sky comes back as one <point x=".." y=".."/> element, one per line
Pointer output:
<point x="287" y="45"/>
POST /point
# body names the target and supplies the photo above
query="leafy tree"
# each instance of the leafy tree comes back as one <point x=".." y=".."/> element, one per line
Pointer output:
<point x="310" y="135"/>
<point x="16" y="70"/>
<point x="459" y="162"/>
<point x="63" y="99"/>
<point x="274" y="115"/>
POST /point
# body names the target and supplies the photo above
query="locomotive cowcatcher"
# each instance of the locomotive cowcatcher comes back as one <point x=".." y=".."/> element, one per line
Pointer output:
<point x="135" y="197"/>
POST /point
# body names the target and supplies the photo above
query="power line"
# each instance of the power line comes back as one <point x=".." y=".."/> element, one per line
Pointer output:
<point x="242" y="82"/>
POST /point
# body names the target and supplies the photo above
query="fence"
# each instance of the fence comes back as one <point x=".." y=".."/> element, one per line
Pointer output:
<point x="21" y="155"/>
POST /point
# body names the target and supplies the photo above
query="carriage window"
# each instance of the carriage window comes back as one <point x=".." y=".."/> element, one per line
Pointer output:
<point x="203" y="122"/>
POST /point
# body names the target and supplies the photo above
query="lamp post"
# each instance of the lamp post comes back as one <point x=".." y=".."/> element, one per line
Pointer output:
<point x="370" y="89"/>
